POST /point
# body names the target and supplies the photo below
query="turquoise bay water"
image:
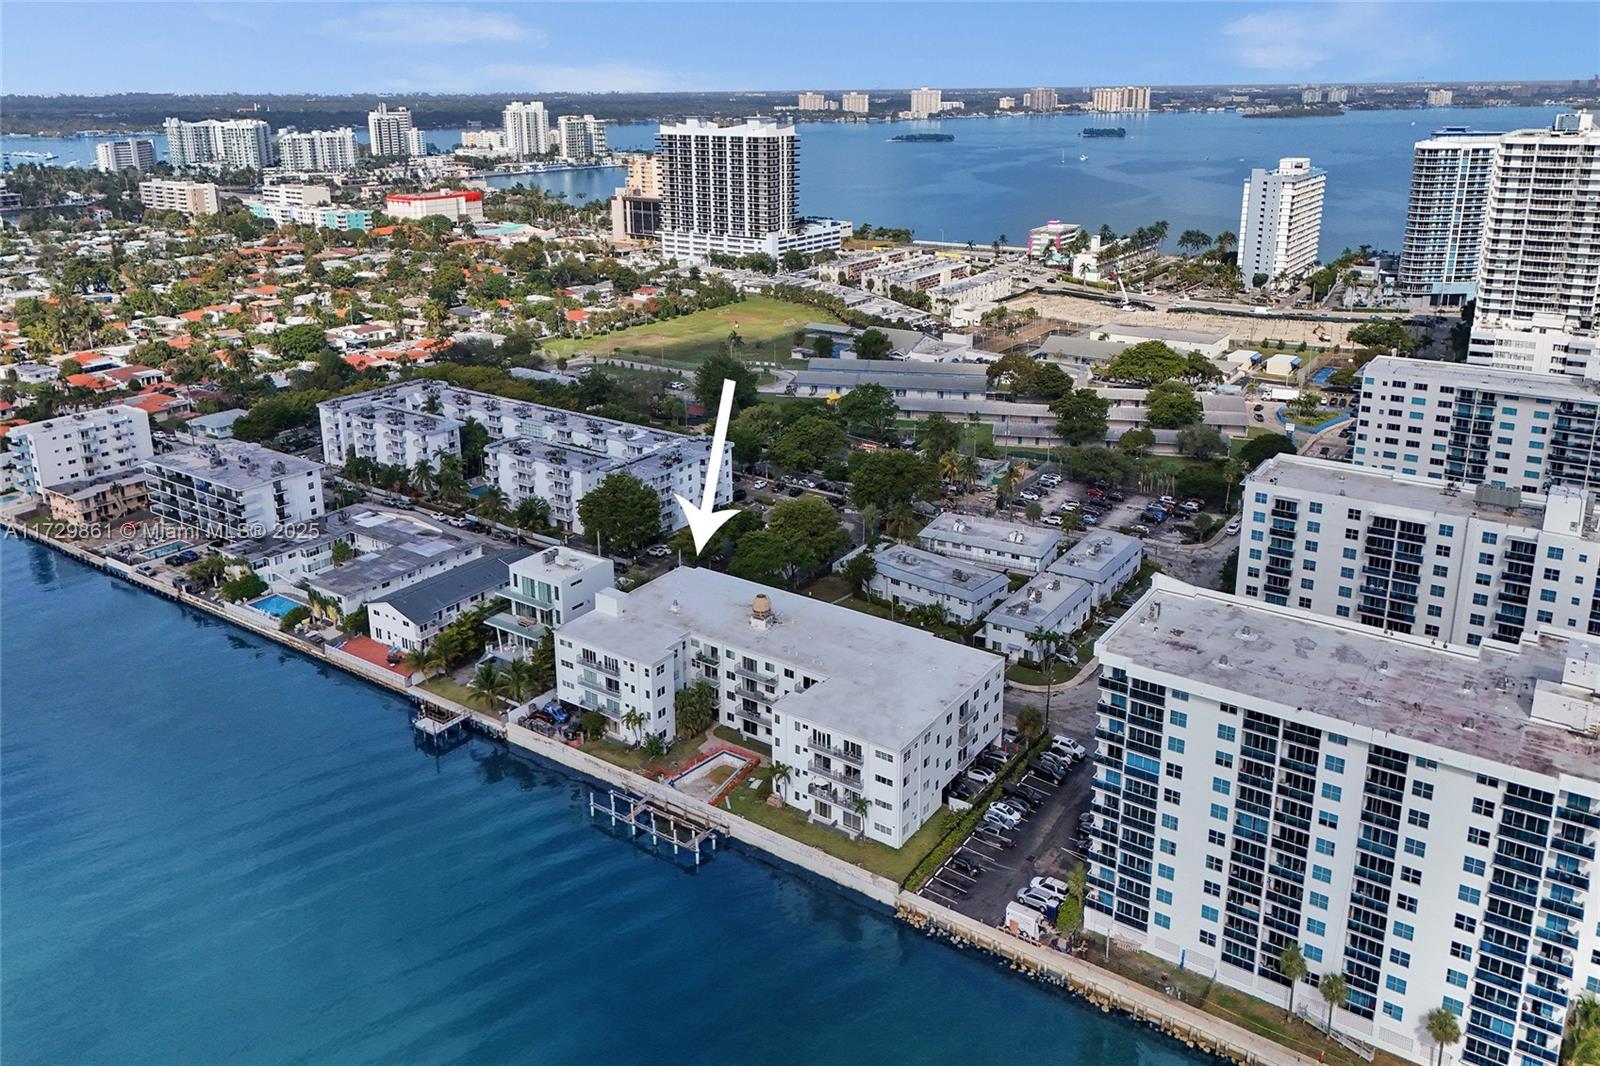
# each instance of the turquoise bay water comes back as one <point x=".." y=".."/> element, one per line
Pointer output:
<point x="215" y="850"/>
<point x="1005" y="175"/>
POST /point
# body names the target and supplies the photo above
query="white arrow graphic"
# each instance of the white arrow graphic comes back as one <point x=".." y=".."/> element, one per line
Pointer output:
<point x="703" y="521"/>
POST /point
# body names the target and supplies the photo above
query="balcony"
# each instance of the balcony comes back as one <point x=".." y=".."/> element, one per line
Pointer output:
<point x="835" y="774"/>
<point x="608" y="667"/>
<point x="847" y="755"/>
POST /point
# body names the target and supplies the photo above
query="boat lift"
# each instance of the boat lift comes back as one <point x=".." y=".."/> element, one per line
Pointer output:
<point x="660" y="821"/>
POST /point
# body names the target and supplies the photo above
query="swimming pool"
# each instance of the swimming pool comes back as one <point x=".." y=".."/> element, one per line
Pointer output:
<point x="161" y="550"/>
<point x="275" y="605"/>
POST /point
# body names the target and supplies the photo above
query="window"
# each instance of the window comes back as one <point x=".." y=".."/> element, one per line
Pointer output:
<point x="1332" y="792"/>
<point x="1224" y="759"/>
<point x="1318" y="900"/>
<point x="1455" y="978"/>
<point x="1175" y="745"/>
<point x="1312" y="952"/>
<point x="1333" y="764"/>
<point x="1178" y="718"/>
<point x="1468" y="894"/>
<point x="1324" y="846"/>
<point x="1212" y="888"/>
<point x="1478" y="837"/>
<point x="1474" y="866"/>
<point x="1395" y="984"/>
<point x="1165" y="872"/>
<point x="1323" y="874"/>
<point x="1208" y="914"/>
<point x="1404" y="931"/>
<point x="1219" y="812"/>
<point x="1164" y="896"/>
<point x="1393" y="1010"/>
<point x="1214" y="862"/>
<point x="1466" y="923"/>
<point x="1226" y="732"/>
<point x="1208" y="938"/>
<point x="1400" y="958"/>
<point x="1483" y="807"/>
<point x="1163" y="921"/>
<point x="1221" y="786"/>
<point x="1316" y="927"/>
<point x="1405" y="902"/>
<point x="1216" y="837"/>
<point x="1411" y="875"/>
<point x="1169" y="847"/>
<point x="1328" y="818"/>
<point x="1169" y="821"/>
<point x="1422" y="790"/>
<point x="1418" y="818"/>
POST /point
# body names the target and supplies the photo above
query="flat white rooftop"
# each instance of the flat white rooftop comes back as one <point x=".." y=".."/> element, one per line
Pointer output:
<point x="1475" y="701"/>
<point x="882" y="682"/>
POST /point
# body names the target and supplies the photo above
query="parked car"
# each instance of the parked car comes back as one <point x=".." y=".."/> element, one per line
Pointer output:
<point x="797" y="491"/>
<point x="1050" y="886"/>
<point x="1068" y="507"/>
<point x="1232" y="528"/>
<point x="1005" y="808"/>
<point x="758" y="485"/>
<point x="1116" y="496"/>
<point x="1001" y="819"/>
<point x="980" y="775"/>
<point x="1094" y="494"/>
<point x="1052" y="520"/>
<point x="676" y="386"/>
<point x="1031" y="897"/>
<point x="1090" y="518"/>
<point x="1061" y="764"/>
<point x="1029" y="495"/>
<point x="658" y="551"/>
<point x="1055" y="773"/>
<point x="965" y="867"/>
<point x="1140" y="529"/>
<point x="1067" y="744"/>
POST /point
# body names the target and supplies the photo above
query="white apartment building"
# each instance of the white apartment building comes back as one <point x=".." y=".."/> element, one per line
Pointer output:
<point x="1539" y="264"/>
<point x="1105" y="560"/>
<point x="581" y="137"/>
<point x="132" y="153"/>
<point x="856" y="103"/>
<point x="234" y="143"/>
<point x="734" y="190"/>
<point x="408" y="619"/>
<point x="1408" y="555"/>
<point x="1472" y="425"/>
<point x="807" y="677"/>
<point x="1048" y="602"/>
<point x="233" y="489"/>
<point x="1267" y="777"/>
<point x="809" y="101"/>
<point x="1123" y="98"/>
<point x="546" y="590"/>
<point x="192" y="198"/>
<point x="555" y="454"/>
<point x="910" y="577"/>
<point x="1041" y="99"/>
<point x="461" y="205"/>
<point x="926" y="102"/>
<point x="1441" y="97"/>
<point x="289" y="194"/>
<point x="1280" y="221"/>
<point x="527" y="129"/>
<point x="1450" y="174"/>
<point x="79" y="447"/>
<point x="392" y="135"/>
<point x="317" y="150"/>
<point x="991" y="542"/>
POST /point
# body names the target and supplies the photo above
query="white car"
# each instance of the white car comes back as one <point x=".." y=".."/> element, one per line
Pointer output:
<point x="1067" y="744"/>
<point x="1232" y="528"/>
<point x="1030" y="496"/>
<point x="999" y="819"/>
<point x="980" y="775"/>
<point x="1051" y="520"/>
<point x="1006" y="810"/>
<point x="676" y="386"/>
<point x="1068" y="507"/>
<point x="659" y="551"/>
<point x="1050" y="886"/>
<point x="758" y="485"/>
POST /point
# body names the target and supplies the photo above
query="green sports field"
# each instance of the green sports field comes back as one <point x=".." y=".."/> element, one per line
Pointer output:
<point x="766" y="325"/>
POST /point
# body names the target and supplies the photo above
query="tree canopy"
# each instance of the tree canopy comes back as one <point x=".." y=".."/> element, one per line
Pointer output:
<point x="869" y="410"/>
<point x="1172" y="405"/>
<point x="889" y="478"/>
<point x="1080" y="416"/>
<point x="623" y="512"/>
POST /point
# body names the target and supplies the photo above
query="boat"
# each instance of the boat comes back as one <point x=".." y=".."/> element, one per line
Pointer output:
<point x="920" y="138"/>
<point x="31" y="155"/>
<point x="1083" y="159"/>
<point x="1103" y="131"/>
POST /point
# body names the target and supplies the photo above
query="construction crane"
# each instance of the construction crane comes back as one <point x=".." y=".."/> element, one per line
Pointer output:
<point x="1126" y="303"/>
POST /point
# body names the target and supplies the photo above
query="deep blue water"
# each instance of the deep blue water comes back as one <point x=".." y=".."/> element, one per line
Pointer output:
<point x="1006" y="175"/>
<point x="215" y="850"/>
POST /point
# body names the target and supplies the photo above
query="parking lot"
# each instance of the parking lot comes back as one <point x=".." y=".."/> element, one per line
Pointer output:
<point x="993" y="864"/>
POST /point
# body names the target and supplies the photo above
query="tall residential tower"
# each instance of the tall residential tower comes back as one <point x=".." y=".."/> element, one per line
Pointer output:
<point x="392" y="135"/>
<point x="1280" y="222"/>
<point x="1450" y="174"/>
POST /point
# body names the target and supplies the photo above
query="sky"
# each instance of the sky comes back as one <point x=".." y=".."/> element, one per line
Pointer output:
<point x="239" y="46"/>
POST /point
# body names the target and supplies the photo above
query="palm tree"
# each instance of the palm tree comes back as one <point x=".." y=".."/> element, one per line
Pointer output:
<point x="489" y="684"/>
<point x="532" y="513"/>
<point x="519" y="680"/>
<point x="419" y="660"/>
<point x="860" y="806"/>
<point x="781" y="773"/>
<point x="1010" y="478"/>
<point x="1048" y="641"/>
<point x="492" y="505"/>
<point x="969" y="470"/>
<point x="902" y="522"/>
<point x="1580" y="1044"/>
<point x="950" y="466"/>
<point x="1292" y="965"/>
<point x="1443" y="1027"/>
<point x="1225" y="242"/>
<point x="1334" y="992"/>
<point x="635" y="720"/>
<point x="422" y="477"/>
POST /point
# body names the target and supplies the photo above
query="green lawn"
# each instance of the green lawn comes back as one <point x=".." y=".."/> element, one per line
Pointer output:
<point x="766" y="325"/>
<point x="632" y="758"/>
<point x="454" y="690"/>
<point x="1060" y="671"/>
<point x="893" y="863"/>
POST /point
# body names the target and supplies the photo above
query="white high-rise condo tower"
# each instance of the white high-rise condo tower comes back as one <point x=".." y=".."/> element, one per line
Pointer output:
<point x="734" y="190"/>
<point x="134" y="153"/>
<point x="392" y="135"/>
<point x="238" y="143"/>
<point x="1539" y="263"/>
<point x="1280" y="221"/>
<point x="1450" y="174"/>
<point x="527" y="129"/>
<point x="581" y="137"/>
<point x="318" y="150"/>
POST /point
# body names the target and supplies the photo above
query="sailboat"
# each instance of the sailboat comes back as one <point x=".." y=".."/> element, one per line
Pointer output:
<point x="1083" y="159"/>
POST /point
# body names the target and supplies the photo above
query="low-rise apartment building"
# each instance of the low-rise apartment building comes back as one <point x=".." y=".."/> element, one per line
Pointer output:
<point x="409" y="618"/>
<point x="80" y="446"/>
<point x="457" y="205"/>
<point x="233" y="489"/>
<point x="555" y="454"/>
<point x="1105" y="560"/>
<point x="1048" y="603"/>
<point x="1458" y="565"/>
<point x="546" y="590"/>
<point x="811" y="679"/>
<point x="93" y="502"/>
<point x="991" y="542"/>
<point x="393" y="550"/>
<point x="911" y="577"/>
<point x="1266" y="777"/>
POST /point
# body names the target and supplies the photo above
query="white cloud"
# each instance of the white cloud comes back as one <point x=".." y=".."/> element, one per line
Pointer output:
<point x="422" y="26"/>
<point x="1356" y="41"/>
<point x="537" y="77"/>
